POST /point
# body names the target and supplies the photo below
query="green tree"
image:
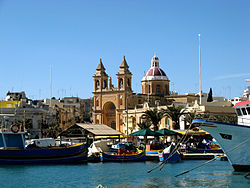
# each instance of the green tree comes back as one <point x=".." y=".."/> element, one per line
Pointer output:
<point x="210" y="96"/>
<point x="154" y="117"/>
<point x="144" y="125"/>
<point x="174" y="112"/>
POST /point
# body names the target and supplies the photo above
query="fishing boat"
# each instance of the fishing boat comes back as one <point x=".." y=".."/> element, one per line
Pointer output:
<point x="122" y="157"/>
<point x="152" y="151"/>
<point x="126" y="152"/>
<point x="207" y="147"/>
<point x="13" y="150"/>
<point x="233" y="138"/>
<point x="169" y="155"/>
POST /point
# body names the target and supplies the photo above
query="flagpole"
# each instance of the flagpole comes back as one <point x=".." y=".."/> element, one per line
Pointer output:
<point x="200" y="63"/>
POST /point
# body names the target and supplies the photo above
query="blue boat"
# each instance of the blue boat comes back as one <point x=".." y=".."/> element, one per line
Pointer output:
<point x="169" y="155"/>
<point x="173" y="159"/>
<point x="14" y="151"/>
<point x="122" y="157"/>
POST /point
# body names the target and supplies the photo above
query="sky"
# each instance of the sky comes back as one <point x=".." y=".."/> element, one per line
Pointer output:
<point x="72" y="36"/>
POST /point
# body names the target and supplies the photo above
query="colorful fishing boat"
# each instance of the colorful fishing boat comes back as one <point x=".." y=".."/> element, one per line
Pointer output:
<point x="169" y="155"/>
<point x="14" y="151"/>
<point x="233" y="138"/>
<point x="152" y="151"/>
<point x="115" y="157"/>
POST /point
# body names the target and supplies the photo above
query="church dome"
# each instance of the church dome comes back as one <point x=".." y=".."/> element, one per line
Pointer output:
<point x="155" y="72"/>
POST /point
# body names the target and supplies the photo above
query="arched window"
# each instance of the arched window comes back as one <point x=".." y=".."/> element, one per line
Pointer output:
<point x="121" y="83"/>
<point x="97" y="102"/>
<point x="97" y="84"/>
<point x="104" y="84"/>
<point x="112" y="107"/>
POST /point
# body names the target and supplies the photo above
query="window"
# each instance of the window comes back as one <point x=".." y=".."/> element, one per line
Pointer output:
<point x="148" y="88"/>
<point x="248" y="110"/>
<point x="158" y="89"/>
<point x="97" y="84"/>
<point x="104" y="84"/>
<point x="112" y="107"/>
<point x="238" y="112"/>
<point x="120" y="83"/>
<point x="244" y="111"/>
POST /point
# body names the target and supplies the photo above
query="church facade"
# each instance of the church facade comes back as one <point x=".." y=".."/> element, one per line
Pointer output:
<point x="111" y="104"/>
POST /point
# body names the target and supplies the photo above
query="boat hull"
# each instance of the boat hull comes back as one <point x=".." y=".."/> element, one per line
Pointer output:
<point x="52" y="155"/>
<point x="122" y="158"/>
<point x="173" y="159"/>
<point x="233" y="139"/>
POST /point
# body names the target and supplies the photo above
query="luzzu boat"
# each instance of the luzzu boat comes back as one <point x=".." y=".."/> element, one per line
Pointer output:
<point x="152" y="151"/>
<point x="125" y="152"/>
<point x="122" y="157"/>
<point x="169" y="155"/>
<point x="14" y="151"/>
<point x="233" y="138"/>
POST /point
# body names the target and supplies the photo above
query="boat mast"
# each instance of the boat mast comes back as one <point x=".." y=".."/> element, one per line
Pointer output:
<point x="200" y="63"/>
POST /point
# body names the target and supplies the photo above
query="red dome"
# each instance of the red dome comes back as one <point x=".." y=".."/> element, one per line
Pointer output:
<point x="155" y="74"/>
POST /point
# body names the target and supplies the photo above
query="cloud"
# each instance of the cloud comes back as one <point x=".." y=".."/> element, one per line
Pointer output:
<point x="231" y="76"/>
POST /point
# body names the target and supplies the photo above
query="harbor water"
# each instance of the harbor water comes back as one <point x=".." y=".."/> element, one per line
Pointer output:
<point x="214" y="174"/>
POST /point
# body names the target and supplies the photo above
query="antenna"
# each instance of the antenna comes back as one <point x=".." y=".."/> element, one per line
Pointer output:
<point x="200" y="63"/>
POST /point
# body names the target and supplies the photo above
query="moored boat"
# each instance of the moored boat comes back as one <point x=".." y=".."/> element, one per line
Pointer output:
<point x="14" y="151"/>
<point x="122" y="157"/>
<point x="169" y="155"/>
<point x="233" y="138"/>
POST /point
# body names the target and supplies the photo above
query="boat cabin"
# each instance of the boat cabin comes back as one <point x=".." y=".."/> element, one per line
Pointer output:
<point x="12" y="140"/>
<point x="243" y="112"/>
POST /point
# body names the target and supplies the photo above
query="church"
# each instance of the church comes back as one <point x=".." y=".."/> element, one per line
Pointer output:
<point x="119" y="106"/>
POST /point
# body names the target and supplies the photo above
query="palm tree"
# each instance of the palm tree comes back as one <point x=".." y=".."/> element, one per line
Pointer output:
<point x="144" y="125"/>
<point x="174" y="112"/>
<point x="154" y="117"/>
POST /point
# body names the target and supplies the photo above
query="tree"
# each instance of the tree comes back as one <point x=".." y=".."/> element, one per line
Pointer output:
<point x="174" y="112"/>
<point x="154" y="117"/>
<point x="210" y="96"/>
<point x="144" y="125"/>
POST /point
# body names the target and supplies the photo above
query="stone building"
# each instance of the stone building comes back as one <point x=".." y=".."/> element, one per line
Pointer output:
<point x="110" y="103"/>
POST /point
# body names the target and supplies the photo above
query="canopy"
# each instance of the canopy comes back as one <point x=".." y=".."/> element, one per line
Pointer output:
<point x="145" y="132"/>
<point x="166" y="132"/>
<point x="83" y="129"/>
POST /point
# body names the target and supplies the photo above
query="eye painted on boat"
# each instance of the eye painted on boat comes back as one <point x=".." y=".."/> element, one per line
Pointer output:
<point x="226" y="136"/>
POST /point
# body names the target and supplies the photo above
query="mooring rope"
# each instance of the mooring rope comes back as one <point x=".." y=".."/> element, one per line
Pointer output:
<point x="212" y="159"/>
<point x="172" y="152"/>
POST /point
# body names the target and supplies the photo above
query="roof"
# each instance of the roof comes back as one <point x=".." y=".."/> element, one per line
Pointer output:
<point x="83" y="129"/>
<point x="155" y="74"/>
<point x="242" y="103"/>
